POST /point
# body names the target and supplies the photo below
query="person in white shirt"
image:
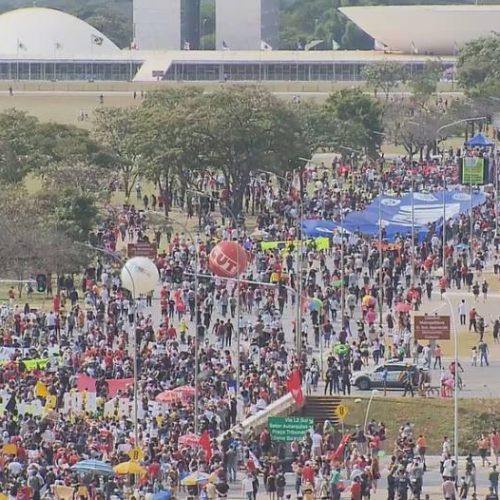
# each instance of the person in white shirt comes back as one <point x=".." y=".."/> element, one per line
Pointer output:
<point x="462" y="312"/>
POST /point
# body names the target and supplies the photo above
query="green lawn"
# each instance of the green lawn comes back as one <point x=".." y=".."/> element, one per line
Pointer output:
<point x="432" y="417"/>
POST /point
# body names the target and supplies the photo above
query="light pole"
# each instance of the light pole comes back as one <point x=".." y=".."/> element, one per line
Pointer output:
<point x="440" y="129"/>
<point x="374" y="393"/>
<point x="298" y="260"/>
<point x="196" y="346"/>
<point x="238" y="291"/>
<point x="147" y="279"/>
<point x="455" y="391"/>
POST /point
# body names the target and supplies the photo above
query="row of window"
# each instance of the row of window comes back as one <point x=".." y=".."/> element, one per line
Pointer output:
<point x="268" y="72"/>
<point x="68" y="71"/>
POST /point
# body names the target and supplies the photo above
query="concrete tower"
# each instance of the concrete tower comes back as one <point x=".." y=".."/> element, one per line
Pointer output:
<point x="157" y="24"/>
<point x="244" y="24"/>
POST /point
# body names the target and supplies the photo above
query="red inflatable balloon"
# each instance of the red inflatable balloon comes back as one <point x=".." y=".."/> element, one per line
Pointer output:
<point x="227" y="259"/>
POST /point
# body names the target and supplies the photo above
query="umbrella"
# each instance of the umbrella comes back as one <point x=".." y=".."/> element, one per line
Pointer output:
<point x="368" y="300"/>
<point x="315" y="304"/>
<point x="162" y="495"/>
<point x="130" y="467"/>
<point x="341" y="349"/>
<point x="195" y="479"/>
<point x="168" y="397"/>
<point x="93" y="467"/>
<point x="356" y="473"/>
<point x="402" y="307"/>
<point x="190" y="440"/>
<point x="185" y="391"/>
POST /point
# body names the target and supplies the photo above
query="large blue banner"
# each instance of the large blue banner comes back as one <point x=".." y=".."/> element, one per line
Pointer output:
<point x="396" y="214"/>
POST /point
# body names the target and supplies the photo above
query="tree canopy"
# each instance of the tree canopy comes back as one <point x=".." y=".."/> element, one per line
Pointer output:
<point x="478" y="66"/>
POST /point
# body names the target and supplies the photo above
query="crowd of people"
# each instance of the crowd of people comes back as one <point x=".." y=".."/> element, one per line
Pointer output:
<point x="66" y="382"/>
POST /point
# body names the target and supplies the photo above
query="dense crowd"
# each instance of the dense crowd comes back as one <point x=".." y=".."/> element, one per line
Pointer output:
<point x="66" y="382"/>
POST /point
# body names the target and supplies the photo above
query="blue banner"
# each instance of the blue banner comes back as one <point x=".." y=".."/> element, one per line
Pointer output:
<point x="396" y="214"/>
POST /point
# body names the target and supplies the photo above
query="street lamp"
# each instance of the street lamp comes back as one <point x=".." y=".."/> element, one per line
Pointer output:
<point x="238" y="291"/>
<point x="374" y="393"/>
<point x="443" y="127"/>
<point x="455" y="391"/>
<point x="196" y="346"/>
<point x="139" y="275"/>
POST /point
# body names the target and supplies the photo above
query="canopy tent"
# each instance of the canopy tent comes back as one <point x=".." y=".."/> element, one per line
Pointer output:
<point x="479" y="141"/>
<point x="395" y="214"/>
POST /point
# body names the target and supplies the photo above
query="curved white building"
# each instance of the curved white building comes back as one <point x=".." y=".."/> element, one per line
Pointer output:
<point x="425" y="29"/>
<point x="40" y="32"/>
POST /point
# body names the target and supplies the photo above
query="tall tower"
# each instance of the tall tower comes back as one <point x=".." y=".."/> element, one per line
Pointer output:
<point x="245" y="24"/>
<point x="191" y="23"/>
<point x="157" y="24"/>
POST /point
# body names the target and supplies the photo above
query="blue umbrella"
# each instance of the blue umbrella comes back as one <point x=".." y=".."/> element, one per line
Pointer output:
<point x="162" y="495"/>
<point x="93" y="467"/>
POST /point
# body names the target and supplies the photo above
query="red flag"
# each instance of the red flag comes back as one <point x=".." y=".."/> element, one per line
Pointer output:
<point x="294" y="386"/>
<point x="85" y="383"/>
<point x="338" y="454"/>
<point x="206" y="444"/>
<point x="118" y="384"/>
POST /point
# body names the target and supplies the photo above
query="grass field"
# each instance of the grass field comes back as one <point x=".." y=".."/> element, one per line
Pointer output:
<point x="64" y="108"/>
<point x="432" y="417"/>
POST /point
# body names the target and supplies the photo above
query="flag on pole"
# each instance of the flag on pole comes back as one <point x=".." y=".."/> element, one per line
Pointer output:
<point x="254" y="459"/>
<point x="225" y="46"/>
<point x="265" y="46"/>
<point x="414" y="48"/>
<point x="57" y="46"/>
<point x="206" y="444"/>
<point x="335" y="45"/>
<point x="97" y="40"/>
<point x="294" y="386"/>
<point x="20" y="45"/>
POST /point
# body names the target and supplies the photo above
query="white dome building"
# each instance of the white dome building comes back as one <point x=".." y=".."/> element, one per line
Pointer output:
<point x="47" y="44"/>
<point x="39" y="32"/>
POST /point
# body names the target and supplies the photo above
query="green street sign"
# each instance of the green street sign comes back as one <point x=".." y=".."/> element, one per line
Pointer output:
<point x="289" y="429"/>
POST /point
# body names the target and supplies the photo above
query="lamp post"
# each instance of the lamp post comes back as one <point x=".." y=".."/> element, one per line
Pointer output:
<point x="374" y="393"/>
<point x="196" y="347"/>
<point x="455" y="391"/>
<point x="238" y="291"/>
<point x="298" y="258"/>
<point x="440" y="129"/>
<point x="139" y="275"/>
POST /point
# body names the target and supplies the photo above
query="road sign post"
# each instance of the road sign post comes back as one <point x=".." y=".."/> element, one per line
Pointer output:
<point x="341" y="412"/>
<point x="289" y="429"/>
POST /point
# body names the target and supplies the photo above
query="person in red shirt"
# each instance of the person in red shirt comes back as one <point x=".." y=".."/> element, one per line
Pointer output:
<point x="356" y="489"/>
<point x="308" y="473"/>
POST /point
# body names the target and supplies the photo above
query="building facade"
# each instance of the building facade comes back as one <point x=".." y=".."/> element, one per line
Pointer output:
<point x="157" y="24"/>
<point x="245" y="24"/>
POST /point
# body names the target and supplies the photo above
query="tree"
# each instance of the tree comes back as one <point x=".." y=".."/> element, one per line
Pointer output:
<point x="478" y="66"/>
<point x="361" y="119"/>
<point x="240" y="130"/>
<point x="424" y="84"/>
<point x="18" y="151"/>
<point x="167" y="138"/>
<point x="385" y="76"/>
<point x="117" y="129"/>
<point x="30" y="243"/>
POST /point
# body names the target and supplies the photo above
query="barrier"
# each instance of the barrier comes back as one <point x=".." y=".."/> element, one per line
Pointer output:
<point x="282" y="407"/>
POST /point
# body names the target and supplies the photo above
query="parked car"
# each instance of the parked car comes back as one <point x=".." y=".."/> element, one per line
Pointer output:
<point x="374" y="377"/>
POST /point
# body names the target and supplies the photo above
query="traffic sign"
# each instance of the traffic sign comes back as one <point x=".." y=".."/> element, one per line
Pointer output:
<point x="289" y="429"/>
<point x="342" y="411"/>
<point x="136" y="454"/>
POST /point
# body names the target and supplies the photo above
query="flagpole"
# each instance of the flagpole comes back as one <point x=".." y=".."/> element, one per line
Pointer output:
<point x="91" y="57"/>
<point x="17" y="60"/>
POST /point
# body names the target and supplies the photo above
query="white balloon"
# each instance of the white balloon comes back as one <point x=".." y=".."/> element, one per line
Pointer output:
<point x="139" y="275"/>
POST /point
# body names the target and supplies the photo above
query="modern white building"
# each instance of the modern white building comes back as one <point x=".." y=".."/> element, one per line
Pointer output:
<point x="246" y="24"/>
<point x="425" y="29"/>
<point x="157" y="24"/>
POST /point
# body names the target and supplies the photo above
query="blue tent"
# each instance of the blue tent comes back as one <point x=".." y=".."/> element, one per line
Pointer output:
<point x="479" y="140"/>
